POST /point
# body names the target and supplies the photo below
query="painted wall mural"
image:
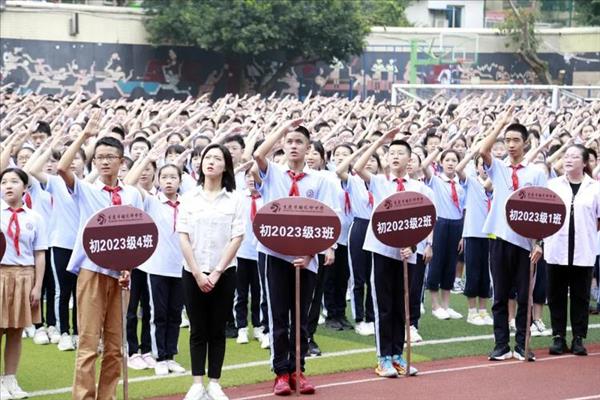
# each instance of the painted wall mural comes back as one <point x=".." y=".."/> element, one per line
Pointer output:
<point x="120" y="70"/>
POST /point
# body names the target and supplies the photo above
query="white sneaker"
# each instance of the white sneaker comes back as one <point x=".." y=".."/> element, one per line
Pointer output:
<point x="10" y="382"/>
<point x="66" y="343"/>
<point x="422" y="309"/>
<point x="41" y="336"/>
<point x="371" y="328"/>
<point x="321" y="319"/>
<point x="440" y="313"/>
<point x="512" y="325"/>
<point x="136" y="362"/>
<point x="242" y="337"/>
<point x="474" y="318"/>
<point x="161" y="369"/>
<point x="76" y="341"/>
<point x="415" y="337"/>
<point x="149" y="360"/>
<point x="29" y="331"/>
<point x="196" y="392"/>
<point x="485" y="317"/>
<point x="362" y="328"/>
<point x="265" y="342"/>
<point x="175" y="367"/>
<point x="214" y="391"/>
<point x="538" y="325"/>
<point x="53" y="335"/>
<point x="453" y="314"/>
<point x="257" y="332"/>
<point x="184" y="322"/>
<point x="4" y="393"/>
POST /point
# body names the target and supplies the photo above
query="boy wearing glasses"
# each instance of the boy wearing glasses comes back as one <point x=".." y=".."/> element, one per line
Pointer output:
<point x="98" y="299"/>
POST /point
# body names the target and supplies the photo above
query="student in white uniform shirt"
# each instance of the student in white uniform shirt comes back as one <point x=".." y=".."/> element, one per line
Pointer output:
<point x="98" y="289"/>
<point x="211" y="229"/>
<point x="63" y="222"/>
<point x="510" y="253"/>
<point x="449" y="202"/>
<point x="360" y="202"/>
<point x="293" y="179"/>
<point x="247" y="276"/>
<point x="21" y="274"/>
<point x="163" y="270"/>
<point x="571" y="252"/>
<point x="387" y="277"/>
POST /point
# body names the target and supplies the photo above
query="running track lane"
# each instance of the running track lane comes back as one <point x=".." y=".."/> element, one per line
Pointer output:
<point x="469" y="378"/>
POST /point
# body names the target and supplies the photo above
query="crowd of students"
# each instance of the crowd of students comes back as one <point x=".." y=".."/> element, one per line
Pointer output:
<point x="202" y="169"/>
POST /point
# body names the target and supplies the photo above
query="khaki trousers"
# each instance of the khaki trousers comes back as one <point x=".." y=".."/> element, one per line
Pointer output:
<point x="98" y="315"/>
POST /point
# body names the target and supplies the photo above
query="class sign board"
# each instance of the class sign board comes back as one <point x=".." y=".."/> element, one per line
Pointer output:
<point x="120" y="238"/>
<point x="535" y="212"/>
<point x="403" y="219"/>
<point x="296" y="226"/>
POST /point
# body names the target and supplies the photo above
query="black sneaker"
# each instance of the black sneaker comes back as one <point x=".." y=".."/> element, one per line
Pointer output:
<point x="577" y="346"/>
<point x="500" y="353"/>
<point x="519" y="354"/>
<point x="345" y="323"/>
<point x="231" y="331"/>
<point x="313" y="348"/>
<point x="559" y="346"/>
<point x="333" y="324"/>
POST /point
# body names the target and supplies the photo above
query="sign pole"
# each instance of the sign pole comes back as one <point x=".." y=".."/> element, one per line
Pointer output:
<point x="407" y="317"/>
<point x="124" y="344"/>
<point x="529" y="308"/>
<point x="297" y="305"/>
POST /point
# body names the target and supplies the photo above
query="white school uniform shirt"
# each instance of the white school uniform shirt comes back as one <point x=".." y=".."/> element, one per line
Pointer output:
<point x="91" y="198"/>
<point x="359" y="197"/>
<point x="345" y="217"/>
<point x="210" y="224"/>
<point x="247" y="249"/>
<point x="316" y="185"/>
<point x="167" y="259"/>
<point x="187" y="183"/>
<point x="383" y="187"/>
<point x="41" y="201"/>
<point x="586" y="214"/>
<point x="442" y="191"/>
<point x="240" y="181"/>
<point x="501" y="175"/>
<point x="423" y="243"/>
<point x="476" y="203"/>
<point x="32" y="236"/>
<point x="65" y="214"/>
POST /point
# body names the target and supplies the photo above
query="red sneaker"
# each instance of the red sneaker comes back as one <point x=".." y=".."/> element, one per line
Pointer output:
<point x="305" y="386"/>
<point x="281" y="387"/>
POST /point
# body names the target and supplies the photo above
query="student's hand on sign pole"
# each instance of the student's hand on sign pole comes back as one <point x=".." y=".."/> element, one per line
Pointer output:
<point x="302" y="262"/>
<point x="329" y="257"/>
<point x="406" y="252"/>
<point x="536" y="253"/>
<point x="124" y="280"/>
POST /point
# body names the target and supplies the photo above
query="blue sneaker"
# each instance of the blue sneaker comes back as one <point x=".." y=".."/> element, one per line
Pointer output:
<point x="399" y="364"/>
<point x="385" y="367"/>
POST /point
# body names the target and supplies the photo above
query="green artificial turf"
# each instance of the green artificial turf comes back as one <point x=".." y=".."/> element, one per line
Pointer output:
<point x="46" y="368"/>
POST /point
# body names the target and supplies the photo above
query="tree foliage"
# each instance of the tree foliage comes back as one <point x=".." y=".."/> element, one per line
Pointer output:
<point x="519" y="28"/>
<point x="385" y="12"/>
<point x="588" y="12"/>
<point x="297" y="31"/>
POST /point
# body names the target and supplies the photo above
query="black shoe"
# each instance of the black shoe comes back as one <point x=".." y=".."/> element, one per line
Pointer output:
<point x="313" y="349"/>
<point x="577" y="346"/>
<point x="500" y="353"/>
<point x="345" y="323"/>
<point x="559" y="346"/>
<point x="231" y="331"/>
<point x="519" y="354"/>
<point x="333" y="324"/>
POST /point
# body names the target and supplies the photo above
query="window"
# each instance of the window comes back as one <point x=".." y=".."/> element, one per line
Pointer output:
<point x="454" y="16"/>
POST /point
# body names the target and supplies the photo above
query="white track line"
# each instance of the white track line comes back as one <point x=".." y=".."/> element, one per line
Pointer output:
<point x="437" y="371"/>
<point x="462" y="339"/>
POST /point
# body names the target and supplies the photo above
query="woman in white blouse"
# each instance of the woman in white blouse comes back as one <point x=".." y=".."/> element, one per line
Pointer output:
<point x="211" y="229"/>
<point x="571" y="252"/>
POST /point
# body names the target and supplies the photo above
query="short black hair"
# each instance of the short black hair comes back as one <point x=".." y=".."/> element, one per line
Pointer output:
<point x="235" y="138"/>
<point x="121" y="107"/>
<point x="174" y="148"/>
<point x="303" y="130"/>
<point x="174" y="134"/>
<point x="228" y="179"/>
<point x="141" y="139"/>
<point x="110" y="142"/>
<point x="429" y="136"/>
<point x="43" y="127"/>
<point x="170" y="166"/>
<point x="118" y="130"/>
<point x="400" y="142"/>
<point x="318" y="146"/>
<point x="20" y="173"/>
<point x="518" y="128"/>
